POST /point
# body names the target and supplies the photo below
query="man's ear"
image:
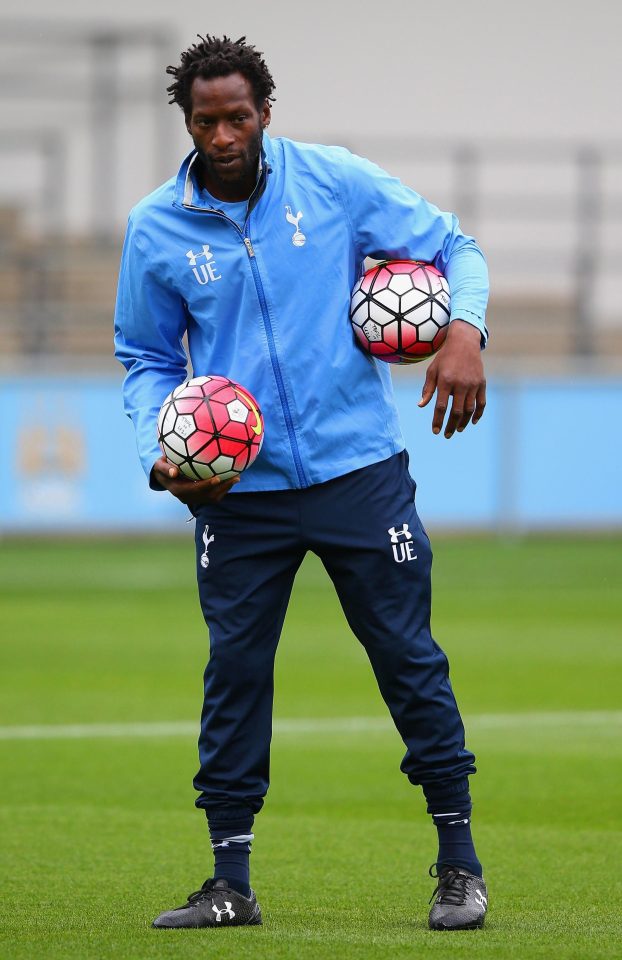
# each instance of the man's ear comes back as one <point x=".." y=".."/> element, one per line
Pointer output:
<point x="266" y="114"/>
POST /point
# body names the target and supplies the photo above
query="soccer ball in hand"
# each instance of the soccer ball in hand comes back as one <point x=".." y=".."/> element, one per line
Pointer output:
<point x="210" y="427"/>
<point x="400" y="311"/>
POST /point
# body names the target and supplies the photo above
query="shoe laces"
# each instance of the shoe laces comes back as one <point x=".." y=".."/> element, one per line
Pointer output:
<point x="205" y="893"/>
<point x="452" y="886"/>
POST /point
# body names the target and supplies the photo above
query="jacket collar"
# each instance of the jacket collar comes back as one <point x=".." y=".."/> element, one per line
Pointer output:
<point x="187" y="193"/>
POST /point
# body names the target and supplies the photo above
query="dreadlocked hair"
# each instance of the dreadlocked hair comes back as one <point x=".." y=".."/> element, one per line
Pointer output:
<point x="216" y="57"/>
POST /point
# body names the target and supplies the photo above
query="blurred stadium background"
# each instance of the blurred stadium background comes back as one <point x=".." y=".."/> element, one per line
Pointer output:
<point x="511" y="120"/>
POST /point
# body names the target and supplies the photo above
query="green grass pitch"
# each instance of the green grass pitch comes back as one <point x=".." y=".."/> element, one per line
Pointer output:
<point x="99" y="833"/>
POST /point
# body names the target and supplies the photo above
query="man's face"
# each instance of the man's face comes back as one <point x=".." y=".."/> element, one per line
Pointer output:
<point x="227" y="130"/>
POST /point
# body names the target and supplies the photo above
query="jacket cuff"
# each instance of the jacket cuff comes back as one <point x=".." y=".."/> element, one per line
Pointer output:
<point x="153" y="483"/>
<point x="476" y="321"/>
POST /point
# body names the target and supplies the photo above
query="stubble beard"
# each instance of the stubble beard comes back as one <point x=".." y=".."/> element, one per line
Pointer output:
<point x="243" y="176"/>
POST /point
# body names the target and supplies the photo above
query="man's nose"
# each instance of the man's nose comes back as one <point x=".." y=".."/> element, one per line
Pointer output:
<point x="223" y="136"/>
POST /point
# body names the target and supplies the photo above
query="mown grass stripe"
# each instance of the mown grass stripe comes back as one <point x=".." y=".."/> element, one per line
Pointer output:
<point x="310" y="725"/>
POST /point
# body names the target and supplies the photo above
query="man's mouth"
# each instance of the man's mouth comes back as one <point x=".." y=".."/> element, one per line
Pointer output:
<point x="226" y="161"/>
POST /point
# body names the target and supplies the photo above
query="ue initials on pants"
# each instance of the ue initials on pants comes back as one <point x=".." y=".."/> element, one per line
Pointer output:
<point x="404" y="551"/>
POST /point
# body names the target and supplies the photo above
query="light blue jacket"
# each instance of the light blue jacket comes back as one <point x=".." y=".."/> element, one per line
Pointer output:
<point x="268" y="305"/>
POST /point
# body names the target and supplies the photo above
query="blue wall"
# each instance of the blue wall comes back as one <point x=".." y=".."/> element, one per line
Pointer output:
<point x="546" y="454"/>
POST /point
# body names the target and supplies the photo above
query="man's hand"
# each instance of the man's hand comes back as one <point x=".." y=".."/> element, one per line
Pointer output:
<point x="456" y="371"/>
<point x="190" y="492"/>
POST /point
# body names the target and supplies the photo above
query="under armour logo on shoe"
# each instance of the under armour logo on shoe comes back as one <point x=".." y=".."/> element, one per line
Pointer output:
<point x="481" y="899"/>
<point x="227" y="912"/>
<point x="396" y="534"/>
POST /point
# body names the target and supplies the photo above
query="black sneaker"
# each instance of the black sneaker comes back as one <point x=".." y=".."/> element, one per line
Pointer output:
<point x="461" y="900"/>
<point x="214" y="905"/>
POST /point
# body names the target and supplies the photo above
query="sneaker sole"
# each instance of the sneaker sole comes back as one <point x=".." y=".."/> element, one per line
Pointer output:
<point x="255" y="921"/>
<point x="477" y="925"/>
<point x="211" y="926"/>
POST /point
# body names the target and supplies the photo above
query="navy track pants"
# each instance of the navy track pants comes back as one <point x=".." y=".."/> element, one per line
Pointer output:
<point x="365" y="529"/>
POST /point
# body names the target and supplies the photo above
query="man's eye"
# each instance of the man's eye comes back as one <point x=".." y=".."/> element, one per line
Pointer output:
<point x="241" y="118"/>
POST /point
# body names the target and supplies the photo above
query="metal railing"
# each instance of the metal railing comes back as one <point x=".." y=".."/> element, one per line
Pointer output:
<point x="547" y="213"/>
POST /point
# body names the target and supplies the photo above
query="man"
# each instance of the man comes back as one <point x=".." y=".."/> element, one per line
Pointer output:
<point x="211" y="254"/>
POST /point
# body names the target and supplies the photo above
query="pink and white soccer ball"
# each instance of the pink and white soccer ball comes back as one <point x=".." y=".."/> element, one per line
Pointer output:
<point x="210" y="427"/>
<point x="400" y="311"/>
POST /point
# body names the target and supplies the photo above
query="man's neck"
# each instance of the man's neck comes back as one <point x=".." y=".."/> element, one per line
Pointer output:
<point x="227" y="192"/>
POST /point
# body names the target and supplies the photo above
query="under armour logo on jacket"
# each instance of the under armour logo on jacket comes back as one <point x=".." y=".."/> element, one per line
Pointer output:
<point x="205" y="252"/>
<point x="207" y="270"/>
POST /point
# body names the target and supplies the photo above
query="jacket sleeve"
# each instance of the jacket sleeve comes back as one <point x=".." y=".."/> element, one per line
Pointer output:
<point x="150" y="321"/>
<point x="390" y="221"/>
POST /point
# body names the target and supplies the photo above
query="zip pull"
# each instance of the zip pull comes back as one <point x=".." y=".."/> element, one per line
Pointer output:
<point x="249" y="247"/>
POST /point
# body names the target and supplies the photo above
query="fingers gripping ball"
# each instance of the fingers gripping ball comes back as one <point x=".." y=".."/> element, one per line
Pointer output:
<point x="210" y="427"/>
<point x="400" y="311"/>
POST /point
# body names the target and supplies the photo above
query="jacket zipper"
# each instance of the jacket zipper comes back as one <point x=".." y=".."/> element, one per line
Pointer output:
<point x="276" y="367"/>
<point x="289" y="423"/>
